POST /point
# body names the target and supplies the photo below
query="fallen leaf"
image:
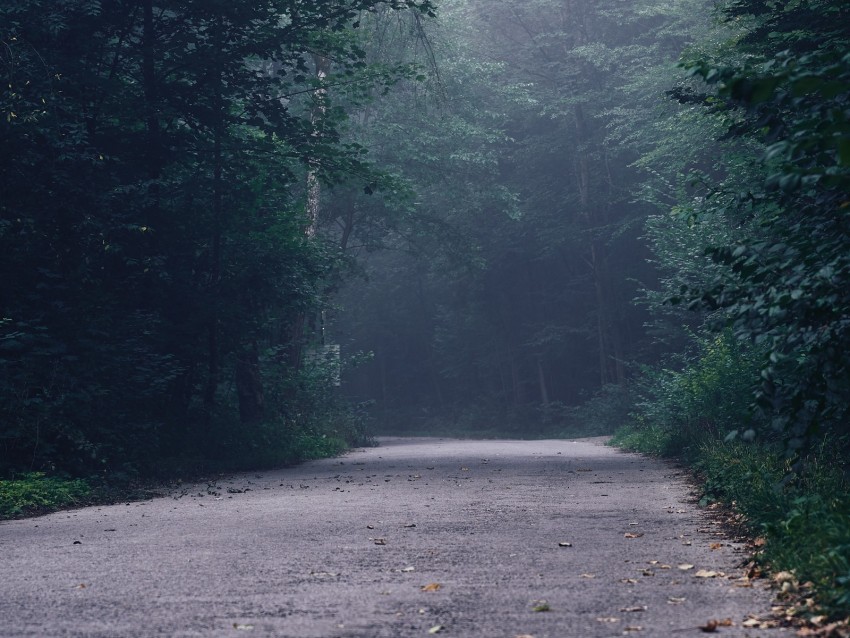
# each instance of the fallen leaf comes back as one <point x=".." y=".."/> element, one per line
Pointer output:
<point x="751" y="623"/>
<point x="608" y="619"/>
<point x="632" y="628"/>
<point x="408" y="569"/>
<point x="704" y="573"/>
<point x="714" y="546"/>
<point x="712" y="625"/>
<point x="709" y="627"/>
<point x="685" y="567"/>
<point x="432" y="587"/>
<point x="80" y="586"/>
<point x="524" y="636"/>
<point x="435" y="629"/>
<point x="634" y="609"/>
<point x="564" y="544"/>
<point x="242" y="627"/>
<point x="629" y="581"/>
<point x="674" y="600"/>
<point x="409" y="525"/>
<point x="783" y="577"/>
<point x="647" y="572"/>
<point x="759" y="542"/>
<point x="380" y="541"/>
<point x="541" y="606"/>
<point x="631" y="535"/>
<point x="324" y="574"/>
<point x="588" y="576"/>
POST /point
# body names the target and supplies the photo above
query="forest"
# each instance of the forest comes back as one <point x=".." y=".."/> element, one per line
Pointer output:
<point x="241" y="234"/>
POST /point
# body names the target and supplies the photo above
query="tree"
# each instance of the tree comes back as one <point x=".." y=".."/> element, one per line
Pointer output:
<point x="787" y="283"/>
<point x="152" y="216"/>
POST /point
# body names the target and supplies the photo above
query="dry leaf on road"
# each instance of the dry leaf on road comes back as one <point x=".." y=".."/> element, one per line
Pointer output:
<point x="432" y="587"/>
<point x="704" y="573"/>
<point x="712" y="625"/>
<point x="631" y="535"/>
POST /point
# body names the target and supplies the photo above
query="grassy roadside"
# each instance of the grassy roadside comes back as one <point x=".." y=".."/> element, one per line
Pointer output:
<point x="802" y="522"/>
<point x="35" y="493"/>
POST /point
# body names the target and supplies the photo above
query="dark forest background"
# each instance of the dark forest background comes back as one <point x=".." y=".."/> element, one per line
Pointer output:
<point x="536" y="218"/>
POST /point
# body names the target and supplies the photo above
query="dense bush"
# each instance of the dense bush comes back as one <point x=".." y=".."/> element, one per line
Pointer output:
<point x="707" y="394"/>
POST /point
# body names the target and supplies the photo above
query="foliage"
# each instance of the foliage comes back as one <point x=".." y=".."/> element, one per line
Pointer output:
<point x="751" y="476"/>
<point x="814" y="507"/>
<point x="34" y="492"/>
<point x="152" y="222"/>
<point x="786" y="286"/>
<point x="518" y="251"/>
<point x="708" y="395"/>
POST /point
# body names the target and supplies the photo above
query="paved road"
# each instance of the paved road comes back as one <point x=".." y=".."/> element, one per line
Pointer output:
<point x="344" y="547"/>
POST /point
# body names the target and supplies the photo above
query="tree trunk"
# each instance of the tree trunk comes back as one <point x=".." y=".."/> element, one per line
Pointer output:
<point x="607" y="332"/>
<point x="213" y="347"/>
<point x="249" y="386"/>
<point x="151" y="92"/>
<point x="317" y="112"/>
<point x="541" y="379"/>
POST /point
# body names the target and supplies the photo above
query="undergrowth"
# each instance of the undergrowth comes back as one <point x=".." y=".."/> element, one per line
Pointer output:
<point x="804" y="520"/>
<point x="34" y="492"/>
<point x="804" y="516"/>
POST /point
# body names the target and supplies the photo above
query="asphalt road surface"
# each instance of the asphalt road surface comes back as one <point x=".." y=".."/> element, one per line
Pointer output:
<point x="418" y="537"/>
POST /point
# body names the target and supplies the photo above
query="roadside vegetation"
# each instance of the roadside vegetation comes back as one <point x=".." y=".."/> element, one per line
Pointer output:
<point x="797" y="508"/>
<point x="35" y="493"/>
<point x="754" y="390"/>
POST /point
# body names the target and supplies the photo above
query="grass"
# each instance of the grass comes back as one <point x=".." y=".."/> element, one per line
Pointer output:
<point x="804" y="519"/>
<point x="35" y="493"/>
